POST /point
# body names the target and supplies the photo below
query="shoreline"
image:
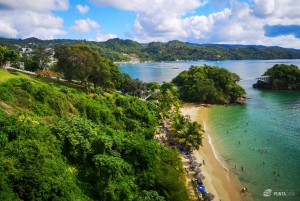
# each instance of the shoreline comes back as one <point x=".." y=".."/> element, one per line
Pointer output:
<point x="219" y="180"/>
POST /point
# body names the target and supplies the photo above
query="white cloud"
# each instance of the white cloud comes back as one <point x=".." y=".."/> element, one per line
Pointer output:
<point x="7" y="31"/>
<point x="92" y="23"/>
<point x="39" y="6"/>
<point x="84" y="25"/>
<point x="263" y="8"/>
<point x="146" y="6"/>
<point x="100" y="37"/>
<point x="44" y="33"/>
<point x="82" y="9"/>
<point x="284" y="12"/>
<point x="24" y="23"/>
<point x="81" y="26"/>
<point x="26" y="18"/>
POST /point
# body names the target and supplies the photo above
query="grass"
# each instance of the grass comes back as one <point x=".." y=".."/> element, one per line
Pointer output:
<point x="5" y="75"/>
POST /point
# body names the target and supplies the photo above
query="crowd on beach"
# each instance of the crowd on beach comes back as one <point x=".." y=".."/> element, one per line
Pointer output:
<point x="163" y="136"/>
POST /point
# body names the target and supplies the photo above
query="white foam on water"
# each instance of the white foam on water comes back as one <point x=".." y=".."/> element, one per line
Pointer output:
<point x="213" y="148"/>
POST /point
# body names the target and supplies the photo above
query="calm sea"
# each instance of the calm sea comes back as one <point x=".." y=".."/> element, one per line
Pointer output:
<point x="263" y="136"/>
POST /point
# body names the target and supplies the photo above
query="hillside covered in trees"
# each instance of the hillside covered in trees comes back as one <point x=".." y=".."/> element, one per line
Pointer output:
<point x="58" y="143"/>
<point x="284" y="77"/>
<point x="122" y="50"/>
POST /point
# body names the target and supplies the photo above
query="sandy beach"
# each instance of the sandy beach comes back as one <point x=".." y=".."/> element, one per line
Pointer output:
<point x="217" y="179"/>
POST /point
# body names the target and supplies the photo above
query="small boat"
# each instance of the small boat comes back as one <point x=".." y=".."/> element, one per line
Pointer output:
<point x="175" y="68"/>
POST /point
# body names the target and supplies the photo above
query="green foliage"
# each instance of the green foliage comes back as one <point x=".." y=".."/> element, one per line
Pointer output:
<point x="6" y="56"/>
<point x="60" y="144"/>
<point x="30" y="158"/>
<point x="30" y="64"/>
<point x="187" y="133"/>
<point x="99" y="91"/>
<point x="149" y="196"/>
<point x="282" y="77"/>
<point x="121" y="50"/>
<point x="80" y="62"/>
<point x="5" y="92"/>
<point x="208" y="84"/>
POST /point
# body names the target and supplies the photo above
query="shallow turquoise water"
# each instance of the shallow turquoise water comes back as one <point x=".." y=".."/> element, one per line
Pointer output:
<point x="270" y="121"/>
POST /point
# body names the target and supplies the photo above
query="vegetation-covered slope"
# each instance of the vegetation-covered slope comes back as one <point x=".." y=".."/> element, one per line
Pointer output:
<point x="114" y="50"/>
<point x="57" y="143"/>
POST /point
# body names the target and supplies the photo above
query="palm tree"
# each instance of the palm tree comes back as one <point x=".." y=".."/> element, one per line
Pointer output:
<point x="187" y="133"/>
<point x="178" y="123"/>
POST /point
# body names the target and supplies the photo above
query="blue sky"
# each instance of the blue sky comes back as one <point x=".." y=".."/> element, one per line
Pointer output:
<point x="258" y="22"/>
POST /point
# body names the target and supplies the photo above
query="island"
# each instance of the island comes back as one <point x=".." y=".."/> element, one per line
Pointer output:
<point x="281" y="77"/>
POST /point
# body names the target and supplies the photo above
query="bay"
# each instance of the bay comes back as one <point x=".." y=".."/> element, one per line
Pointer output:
<point x="269" y="121"/>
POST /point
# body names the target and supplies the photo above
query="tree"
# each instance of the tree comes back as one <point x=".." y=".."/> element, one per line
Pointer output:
<point x="107" y="75"/>
<point x="282" y="77"/>
<point x="149" y="196"/>
<point x="187" y="133"/>
<point x="77" y="62"/>
<point x="29" y="64"/>
<point x="7" y="56"/>
<point x="209" y="84"/>
<point x="134" y="87"/>
<point x="41" y="57"/>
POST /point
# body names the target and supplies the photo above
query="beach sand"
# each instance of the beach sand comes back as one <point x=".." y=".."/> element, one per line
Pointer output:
<point x="217" y="179"/>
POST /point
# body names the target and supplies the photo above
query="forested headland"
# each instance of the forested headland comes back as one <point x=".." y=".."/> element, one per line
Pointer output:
<point x="282" y="77"/>
<point x="124" y="50"/>
<point x="209" y="84"/>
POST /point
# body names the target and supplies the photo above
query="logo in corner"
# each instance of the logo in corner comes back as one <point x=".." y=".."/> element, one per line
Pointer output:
<point x="267" y="192"/>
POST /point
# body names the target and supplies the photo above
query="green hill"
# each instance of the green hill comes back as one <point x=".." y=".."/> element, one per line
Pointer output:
<point x="57" y="143"/>
<point x="118" y="49"/>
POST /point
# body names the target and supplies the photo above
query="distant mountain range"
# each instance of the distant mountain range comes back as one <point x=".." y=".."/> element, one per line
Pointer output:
<point x="124" y="50"/>
<point x="228" y="46"/>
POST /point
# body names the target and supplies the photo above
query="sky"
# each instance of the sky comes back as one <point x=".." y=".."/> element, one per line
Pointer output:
<point x="255" y="22"/>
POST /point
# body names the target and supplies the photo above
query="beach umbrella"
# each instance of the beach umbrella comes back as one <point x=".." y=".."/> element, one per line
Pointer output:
<point x="193" y="157"/>
<point x="193" y="163"/>
<point x="200" y="176"/>
<point x="210" y="196"/>
<point x="198" y="170"/>
<point x="201" y="189"/>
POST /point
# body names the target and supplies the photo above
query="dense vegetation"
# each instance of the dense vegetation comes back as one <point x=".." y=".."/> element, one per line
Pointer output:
<point x="122" y="50"/>
<point x="58" y="143"/>
<point x="282" y="77"/>
<point x="7" y="55"/>
<point x="209" y="84"/>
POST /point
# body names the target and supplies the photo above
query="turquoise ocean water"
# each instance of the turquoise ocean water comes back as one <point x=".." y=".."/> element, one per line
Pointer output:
<point x="270" y="121"/>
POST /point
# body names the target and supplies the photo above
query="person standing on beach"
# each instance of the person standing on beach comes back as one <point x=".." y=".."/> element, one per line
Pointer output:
<point x="203" y="161"/>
